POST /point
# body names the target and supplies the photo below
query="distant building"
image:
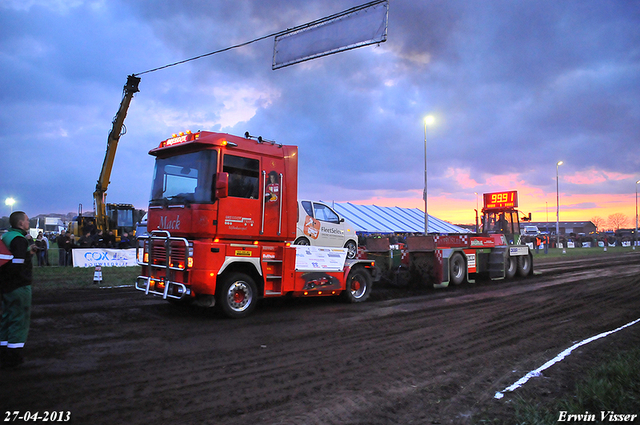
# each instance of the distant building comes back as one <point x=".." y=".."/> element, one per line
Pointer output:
<point x="54" y="225"/>
<point x="566" y="227"/>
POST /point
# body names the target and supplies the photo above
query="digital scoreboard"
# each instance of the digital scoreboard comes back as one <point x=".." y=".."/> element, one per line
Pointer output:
<point x="500" y="200"/>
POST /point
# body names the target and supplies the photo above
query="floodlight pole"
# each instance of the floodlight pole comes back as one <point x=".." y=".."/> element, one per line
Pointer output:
<point x="558" y="164"/>
<point x="427" y="120"/>
<point x="635" y="242"/>
<point x="426" y="214"/>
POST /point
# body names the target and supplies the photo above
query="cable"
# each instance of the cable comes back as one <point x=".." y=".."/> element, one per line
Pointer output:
<point x="275" y="34"/>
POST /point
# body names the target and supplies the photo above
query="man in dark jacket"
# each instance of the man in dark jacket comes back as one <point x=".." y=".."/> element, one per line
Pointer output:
<point x="15" y="290"/>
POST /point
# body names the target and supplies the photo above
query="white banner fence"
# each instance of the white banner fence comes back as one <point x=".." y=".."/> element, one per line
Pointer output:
<point x="104" y="257"/>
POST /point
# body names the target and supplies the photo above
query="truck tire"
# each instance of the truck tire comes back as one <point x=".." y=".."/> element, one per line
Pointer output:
<point x="352" y="249"/>
<point x="525" y="264"/>
<point x="358" y="286"/>
<point x="457" y="269"/>
<point x="511" y="267"/>
<point x="237" y="296"/>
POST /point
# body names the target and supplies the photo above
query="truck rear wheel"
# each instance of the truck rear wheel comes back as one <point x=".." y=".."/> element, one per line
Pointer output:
<point x="358" y="287"/>
<point x="511" y="267"/>
<point x="525" y="263"/>
<point x="238" y="295"/>
<point x="457" y="268"/>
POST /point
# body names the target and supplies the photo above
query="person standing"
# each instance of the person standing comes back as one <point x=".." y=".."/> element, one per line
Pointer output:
<point x="62" y="253"/>
<point x="41" y="245"/>
<point x="15" y="288"/>
<point x="70" y="244"/>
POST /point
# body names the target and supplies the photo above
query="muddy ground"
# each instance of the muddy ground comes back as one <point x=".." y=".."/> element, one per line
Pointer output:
<point x="116" y="356"/>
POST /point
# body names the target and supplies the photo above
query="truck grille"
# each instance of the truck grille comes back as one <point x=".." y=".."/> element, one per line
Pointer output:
<point x="163" y="251"/>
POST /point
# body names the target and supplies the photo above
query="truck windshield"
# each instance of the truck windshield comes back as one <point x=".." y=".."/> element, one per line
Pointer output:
<point x="501" y="222"/>
<point x="184" y="179"/>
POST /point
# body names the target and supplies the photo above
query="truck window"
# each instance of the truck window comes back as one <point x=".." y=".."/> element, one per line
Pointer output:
<point x="185" y="178"/>
<point x="244" y="176"/>
<point x="324" y="213"/>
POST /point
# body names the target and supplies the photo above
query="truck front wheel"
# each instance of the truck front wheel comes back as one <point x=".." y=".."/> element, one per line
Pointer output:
<point x="358" y="287"/>
<point x="238" y="295"/>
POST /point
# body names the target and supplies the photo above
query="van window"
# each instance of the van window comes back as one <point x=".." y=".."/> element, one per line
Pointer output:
<point x="307" y="208"/>
<point x="324" y="213"/>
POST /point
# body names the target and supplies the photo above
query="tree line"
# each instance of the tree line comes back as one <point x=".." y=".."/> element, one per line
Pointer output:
<point x="614" y="222"/>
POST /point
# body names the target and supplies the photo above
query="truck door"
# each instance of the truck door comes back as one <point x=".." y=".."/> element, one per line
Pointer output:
<point x="273" y="196"/>
<point x="239" y="215"/>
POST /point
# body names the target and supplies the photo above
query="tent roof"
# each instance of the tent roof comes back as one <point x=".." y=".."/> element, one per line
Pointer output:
<point x="375" y="219"/>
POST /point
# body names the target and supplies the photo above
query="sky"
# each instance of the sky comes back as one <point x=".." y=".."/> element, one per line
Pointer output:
<point x="514" y="87"/>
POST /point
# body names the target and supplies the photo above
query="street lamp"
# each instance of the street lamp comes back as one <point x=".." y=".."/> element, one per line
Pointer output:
<point x="558" y="206"/>
<point x="428" y="120"/>
<point x="636" y="234"/>
<point x="10" y="202"/>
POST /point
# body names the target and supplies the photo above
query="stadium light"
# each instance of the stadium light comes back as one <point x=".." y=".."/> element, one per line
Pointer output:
<point x="10" y="202"/>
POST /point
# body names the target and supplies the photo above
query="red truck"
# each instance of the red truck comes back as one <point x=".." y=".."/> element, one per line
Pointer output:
<point x="219" y="237"/>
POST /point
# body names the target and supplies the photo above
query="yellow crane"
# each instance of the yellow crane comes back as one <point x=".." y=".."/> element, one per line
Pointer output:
<point x="103" y="221"/>
<point x="111" y="217"/>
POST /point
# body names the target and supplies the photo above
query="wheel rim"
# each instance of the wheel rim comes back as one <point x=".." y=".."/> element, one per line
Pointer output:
<point x="239" y="296"/>
<point x="351" y="250"/>
<point x="525" y="263"/>
<point x="512" y="265"/>
<point x="357" y="286"/>
<point x="457" y="268"/>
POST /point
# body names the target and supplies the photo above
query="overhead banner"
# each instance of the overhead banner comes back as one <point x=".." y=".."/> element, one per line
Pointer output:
<point x="104" y="257"/>
<point x="360" y="26"/>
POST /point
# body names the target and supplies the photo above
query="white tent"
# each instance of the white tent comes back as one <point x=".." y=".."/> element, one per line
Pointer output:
<point x="375" y="219"/>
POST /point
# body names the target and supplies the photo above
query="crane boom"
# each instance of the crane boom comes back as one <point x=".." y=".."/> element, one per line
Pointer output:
<point x="112" y="144"/>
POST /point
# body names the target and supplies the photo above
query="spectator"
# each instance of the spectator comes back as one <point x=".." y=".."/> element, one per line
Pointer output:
<point x="89" y="227"/>
<point x="61" y="240"/>
<point x="111" y="240"/>
<point x="85" y="241"/>
<point x="125" y="242"/>
<point x="69" y="242"/>
<point x="101" y="240"/>
<point x="41" y="247"/>
<point x="69" y="248"/>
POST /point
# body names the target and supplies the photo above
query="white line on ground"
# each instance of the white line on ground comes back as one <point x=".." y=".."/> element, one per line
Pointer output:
<point x="558" y="358"/>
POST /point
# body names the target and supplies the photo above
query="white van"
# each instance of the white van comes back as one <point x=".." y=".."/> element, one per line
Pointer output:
<point x="319" y="225"/>
<point x="530" y="231"/>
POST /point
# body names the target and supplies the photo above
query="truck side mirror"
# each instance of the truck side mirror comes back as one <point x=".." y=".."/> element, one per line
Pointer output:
<point x="222" y="185"/>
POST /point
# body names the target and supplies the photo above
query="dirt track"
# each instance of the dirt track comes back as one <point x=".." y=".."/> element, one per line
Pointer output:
<point x="434" y="357"/>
